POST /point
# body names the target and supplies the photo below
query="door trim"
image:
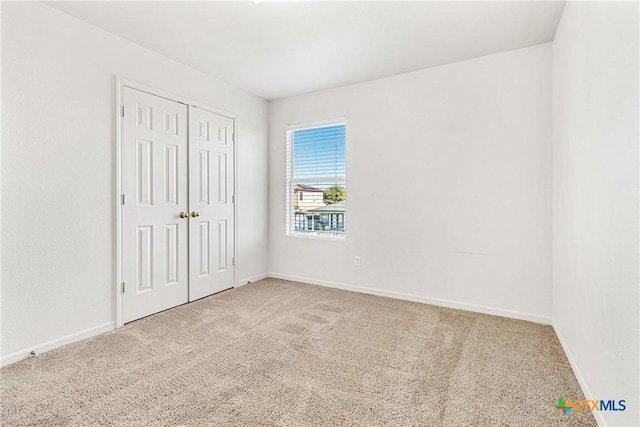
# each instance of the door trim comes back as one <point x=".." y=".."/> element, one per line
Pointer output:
<point x="120" y="84"/>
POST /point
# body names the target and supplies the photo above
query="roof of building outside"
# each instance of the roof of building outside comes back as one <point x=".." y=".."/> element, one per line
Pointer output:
<point x="338" y="207"/>
<point x="302" y="187"/>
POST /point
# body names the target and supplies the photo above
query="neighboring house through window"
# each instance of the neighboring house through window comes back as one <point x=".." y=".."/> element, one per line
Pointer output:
<point x="316" y="180"/>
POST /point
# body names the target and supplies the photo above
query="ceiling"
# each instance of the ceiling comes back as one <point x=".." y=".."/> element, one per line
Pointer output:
<point x="279" y="49"/>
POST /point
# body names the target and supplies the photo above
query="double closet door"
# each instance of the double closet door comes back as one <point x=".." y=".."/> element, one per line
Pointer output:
<point x="177" y="212"/>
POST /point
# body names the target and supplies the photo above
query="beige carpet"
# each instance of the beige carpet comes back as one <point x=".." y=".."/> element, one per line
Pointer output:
<point x="283" y="353"/>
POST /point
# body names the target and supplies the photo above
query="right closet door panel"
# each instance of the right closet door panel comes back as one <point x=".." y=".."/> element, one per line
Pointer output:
<point x="211" y="203"/>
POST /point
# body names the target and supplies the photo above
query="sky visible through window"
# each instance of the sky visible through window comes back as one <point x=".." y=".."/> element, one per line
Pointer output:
<point x="320" y="153"/>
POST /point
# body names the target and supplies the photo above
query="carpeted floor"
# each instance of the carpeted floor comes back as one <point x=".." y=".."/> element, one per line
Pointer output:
<point x="284" y="353"/>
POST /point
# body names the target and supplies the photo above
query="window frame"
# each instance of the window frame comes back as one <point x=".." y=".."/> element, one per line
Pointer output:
<point x="289" y="192"/>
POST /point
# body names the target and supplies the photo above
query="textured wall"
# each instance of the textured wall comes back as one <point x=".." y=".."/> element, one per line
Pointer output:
<point x="595" y="199"/>
<point x="58" y="169"/>
<point x="449" y="185"/>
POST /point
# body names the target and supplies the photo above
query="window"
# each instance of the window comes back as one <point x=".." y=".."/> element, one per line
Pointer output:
<point x="316" y="180"/>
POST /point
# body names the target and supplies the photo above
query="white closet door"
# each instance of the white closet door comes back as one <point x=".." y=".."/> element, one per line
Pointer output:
<point x="155" y="186"/>
<point x="211" y="200"/>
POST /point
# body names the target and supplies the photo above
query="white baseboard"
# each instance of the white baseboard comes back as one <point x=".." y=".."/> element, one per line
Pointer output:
<point x="251" y="279"/>
<point x="536" y="318"/>
<point x="576" y="371"/>
<point x="87" y="333"/>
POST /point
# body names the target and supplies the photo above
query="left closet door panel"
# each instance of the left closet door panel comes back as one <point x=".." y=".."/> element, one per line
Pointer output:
<point x="154" y="215"/>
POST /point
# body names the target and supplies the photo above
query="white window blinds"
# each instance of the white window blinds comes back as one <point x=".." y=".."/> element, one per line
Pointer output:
<point x="316" y="180"/>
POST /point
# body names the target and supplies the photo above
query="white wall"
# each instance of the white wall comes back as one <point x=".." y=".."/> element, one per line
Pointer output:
<point x="449" y="185"/>
<point x="595" y="199"/>
<point x="58" y="168"/>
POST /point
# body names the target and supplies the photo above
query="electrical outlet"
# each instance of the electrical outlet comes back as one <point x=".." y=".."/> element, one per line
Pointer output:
<point x="357" y="262"/>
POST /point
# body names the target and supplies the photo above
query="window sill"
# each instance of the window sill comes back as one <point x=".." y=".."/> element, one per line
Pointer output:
<point x="316" y="237"/>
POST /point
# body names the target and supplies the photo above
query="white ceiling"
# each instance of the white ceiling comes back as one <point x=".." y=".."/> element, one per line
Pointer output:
<point x="280" y="49"/>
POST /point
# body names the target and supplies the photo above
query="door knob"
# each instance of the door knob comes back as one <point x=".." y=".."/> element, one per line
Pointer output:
<point x="183" y="215"/>
<point x="195" y="214"/>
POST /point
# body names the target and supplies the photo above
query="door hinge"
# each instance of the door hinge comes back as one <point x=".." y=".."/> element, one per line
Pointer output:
<point x="233" y="137"/>
<point x="123" y="287"/>
<point x="233" y="261"/>
<point x="123" y="198"/>
<point x="233" y="199"/>
<point x="122" y="111"/>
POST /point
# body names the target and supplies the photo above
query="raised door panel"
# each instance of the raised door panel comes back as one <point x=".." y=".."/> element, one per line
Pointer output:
<point x="221" y="178"/>
<point x="171" y="175"/>
<point x="223" y="245"/>
<point x="145" y="258"/>
<point x="144" y="174"/>
<point x="204" y="249"/>
<point x="204" y="174"/>
<point x="172" y="254"/>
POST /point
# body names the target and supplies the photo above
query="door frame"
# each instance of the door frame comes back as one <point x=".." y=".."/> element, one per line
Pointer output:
<point x="120" y="84"/>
